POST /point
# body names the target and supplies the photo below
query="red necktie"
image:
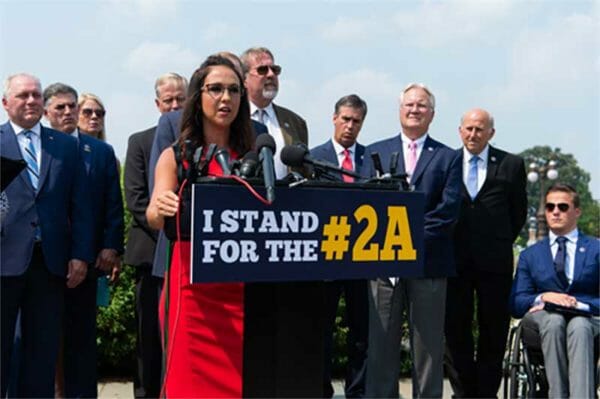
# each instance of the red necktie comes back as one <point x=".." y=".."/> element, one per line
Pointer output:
<point x="347" y="164"/>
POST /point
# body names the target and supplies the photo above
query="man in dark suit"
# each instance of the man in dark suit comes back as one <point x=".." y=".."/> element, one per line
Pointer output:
<point x="102" y="174"/>
<point x="45" y="236"/>
<point x="170" y="91"/>
<point x="493" y="211"/>
<point x="433" y="169"/>
<point x="262" y="83"/>
<point x="562" y="269"/>
<point x="343" y="150"/>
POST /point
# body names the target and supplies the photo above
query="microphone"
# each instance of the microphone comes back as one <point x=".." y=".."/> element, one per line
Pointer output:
<point x="298" y="155"/>
<point x="377" y="164"/>
<point x="265" y="146"/>
<point x="394" y="162"/>
<point x="249" y="164"/>
<point x="222" y="157"/>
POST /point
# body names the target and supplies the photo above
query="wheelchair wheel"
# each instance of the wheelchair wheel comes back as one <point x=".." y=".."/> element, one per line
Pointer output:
<point x="516" y="382"/>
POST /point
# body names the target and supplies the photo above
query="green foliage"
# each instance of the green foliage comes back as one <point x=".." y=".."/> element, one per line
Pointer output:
<point x="116" y="328"/>
<point x="568" y="172"/>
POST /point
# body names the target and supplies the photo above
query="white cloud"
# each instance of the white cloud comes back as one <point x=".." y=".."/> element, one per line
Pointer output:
<point x="150" y="60"/>
<point x="216" y="31"/>
<point x="146" y="9"/>
<point x="554" y="63"/>
<point x="349" y="29"/>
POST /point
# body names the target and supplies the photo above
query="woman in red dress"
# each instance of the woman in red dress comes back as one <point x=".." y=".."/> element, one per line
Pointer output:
<point x="203" y="323"/>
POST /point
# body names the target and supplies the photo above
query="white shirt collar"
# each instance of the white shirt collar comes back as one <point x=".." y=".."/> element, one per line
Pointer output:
<point x="340" y="149"/>
<point x="483" y="155"/>
<point x="268" y="109"/>
<point x="572" y="236"/>
<point x="36" y="129"/>
<point x="420" y="141"/>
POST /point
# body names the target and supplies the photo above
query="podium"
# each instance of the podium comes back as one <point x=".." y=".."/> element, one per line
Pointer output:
<point x="285" y="251"/>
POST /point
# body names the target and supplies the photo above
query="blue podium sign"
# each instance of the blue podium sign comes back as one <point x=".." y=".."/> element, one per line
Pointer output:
<point x="308" y="233"/>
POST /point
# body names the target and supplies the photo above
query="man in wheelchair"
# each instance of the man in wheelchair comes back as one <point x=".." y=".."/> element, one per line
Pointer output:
<point x="556" y="287"/>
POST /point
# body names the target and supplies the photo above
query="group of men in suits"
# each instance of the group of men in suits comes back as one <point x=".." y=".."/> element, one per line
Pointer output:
<point x="475" y="205"/>
<point x="65" y="226"/>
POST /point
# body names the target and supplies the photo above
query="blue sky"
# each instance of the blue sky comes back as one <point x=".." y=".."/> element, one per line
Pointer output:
<point x="534" y="64"/>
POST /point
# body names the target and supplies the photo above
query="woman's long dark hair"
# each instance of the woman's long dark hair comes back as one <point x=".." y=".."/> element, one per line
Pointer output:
<point x="241" y="137"/>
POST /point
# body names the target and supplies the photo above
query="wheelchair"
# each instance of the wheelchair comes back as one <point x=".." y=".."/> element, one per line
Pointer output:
<point x="524" y="375"/>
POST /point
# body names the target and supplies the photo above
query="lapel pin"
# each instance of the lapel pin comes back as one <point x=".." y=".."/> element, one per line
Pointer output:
<point x="581" y="249"/>
<point x="286" y="124"/>
<point x="50" y="137"/>
<point x="429" y="148"/>
<point x="86" y="148"/>
<point x="493" y="159"/>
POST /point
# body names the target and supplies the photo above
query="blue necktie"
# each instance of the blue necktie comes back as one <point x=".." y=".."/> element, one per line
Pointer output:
<point x="31" y="159"/>
<point x="561" y="259"/>
<point x="472" y="177"/>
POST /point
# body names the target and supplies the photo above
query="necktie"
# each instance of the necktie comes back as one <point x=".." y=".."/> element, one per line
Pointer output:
<point x="560" y="259"/>
<point x="31" y="159"/>
<point x="412" y="157"/>
<point x="472" y="177"/>
<point x="347" y="164"/>
<point x="262" y="116"/>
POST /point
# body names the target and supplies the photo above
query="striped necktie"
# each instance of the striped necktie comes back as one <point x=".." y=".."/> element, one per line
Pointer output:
<point x="30" y="157"/>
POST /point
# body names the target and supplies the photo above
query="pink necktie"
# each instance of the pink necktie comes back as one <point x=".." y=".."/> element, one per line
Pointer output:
<point x="412" y="157"/>
<point x="347" y="164"/>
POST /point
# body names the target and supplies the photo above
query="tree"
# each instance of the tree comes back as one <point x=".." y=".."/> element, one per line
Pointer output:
<point x="568" y="172"/>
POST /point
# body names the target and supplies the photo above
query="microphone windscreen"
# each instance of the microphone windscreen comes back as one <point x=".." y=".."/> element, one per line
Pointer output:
<point x="265" y="140"/>
<point x="250" y="156"/>
<point x="293" y="155"/>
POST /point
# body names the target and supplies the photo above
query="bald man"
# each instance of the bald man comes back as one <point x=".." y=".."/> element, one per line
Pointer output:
<point x="493" y="211"/>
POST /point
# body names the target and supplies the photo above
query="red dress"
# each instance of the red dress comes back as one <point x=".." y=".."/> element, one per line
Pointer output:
<point x="204" y="332"/>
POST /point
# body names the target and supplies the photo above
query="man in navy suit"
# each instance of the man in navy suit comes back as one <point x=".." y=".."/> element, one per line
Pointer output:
<point x="433" y="169"/>
<point x="45" y="237"/>
<point x="493" y="194"/>
<point x="343" y="150"/>
<point x="102" y="173"/>
<point x="562" y="269"/>
<point x="170" y="90"/>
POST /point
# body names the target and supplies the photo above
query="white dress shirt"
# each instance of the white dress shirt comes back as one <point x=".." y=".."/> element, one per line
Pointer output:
<point x="339" y="151"/>
<point x="270" y="120"/>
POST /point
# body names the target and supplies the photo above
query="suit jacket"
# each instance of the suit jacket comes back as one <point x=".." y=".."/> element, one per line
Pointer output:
<point x="142" y="239"/>
<point x="326" y="152"/>
<point x="536" y="275"/>
<point x="437" y="175"/>
<point x="292" y="126"/>
<point x="489" y="224"/>
<point x="60" y="207"/>
<point x="104" y="185"/>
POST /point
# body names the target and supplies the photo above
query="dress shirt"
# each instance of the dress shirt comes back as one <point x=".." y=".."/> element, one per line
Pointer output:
<point x="36" y="139"/>
<point x="339" y="151"/>
<point x="405" y="151"/>
<point x="270" y="120"/>
<point x="482" y="163"/>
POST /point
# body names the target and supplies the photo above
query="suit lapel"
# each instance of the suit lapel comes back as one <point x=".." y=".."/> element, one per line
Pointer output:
<point x="429" y="149"/>
<point x="492" y="167"/>
<point x="47" y="145"/>
<point x="463" y="189"/>
<point x="358" y="158"/>
<point x="580" y="255"/>
<point x="284" y="125"/>
<point x="86" y="153"/>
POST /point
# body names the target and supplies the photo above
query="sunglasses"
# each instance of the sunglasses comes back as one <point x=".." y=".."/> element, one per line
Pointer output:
<point x="264" y="69"/>
<point x="87" y="112"/>
<point x="563" y="207"/>
<point x="216" y="90"/>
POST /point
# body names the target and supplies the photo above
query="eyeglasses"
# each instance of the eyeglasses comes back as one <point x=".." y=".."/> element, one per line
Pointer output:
<point x="87" y="112"/>
<point x="264" y="69"/>
<point x="563" y="207"/>
<point x="61" y="107"/>
<point x="216" y="90"/>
